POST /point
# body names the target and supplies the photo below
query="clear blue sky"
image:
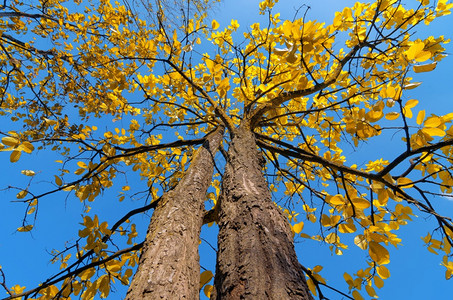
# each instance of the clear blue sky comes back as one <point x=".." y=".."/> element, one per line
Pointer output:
<point x="415" y="272"/>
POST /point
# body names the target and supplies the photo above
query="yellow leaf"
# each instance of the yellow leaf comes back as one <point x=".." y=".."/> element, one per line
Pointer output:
<point x="348" y="280"/>
<point x="28" y="172"/>
<point x="87" y="274"/>
<point x="82" y="164"/>
<point x="205" y="277"/>
<point x="360" y="203"/>
<point x="392" y="116"/>
<point x="347" y="228"/>
<point x="214" y="25"/>
<point x="79" y="171"/>
<point x="432" y="122"/>
<point x="391" y="92"/>
<point x="407" y="108"/>
<point x="426" y="238"/>
<point x="84" y="232"/>
<point x="338" y="20"/>
<point x="420" y="117"/>
<point x="378" y="253"/>
<point x="27" y="147"/>
<point x="21" y="194"/>
<point x="383" y="272"/>
<point x="208" y="290"/>
<point x="10" y="141"/>
<point x="58" y="180"/>
<point x="347" y="13"/>
<point x="361" y="241"/>
<point x="327" y="221"/>
<point x="104" y="286"/>
<point x="317" y="269"/>
<point x="337" y="200"/>
<point x="448" y="274"/>
<point x="370" y="291"/>
<point x="412" y="85"/>
<point x="378" y="282"/>
<point x="332" y="238"/>
<point x="281" y="51"/>
<point x="374" y="115"/>
<point x="52" y="291"/>
<point x="17" y="289"/>
<point x="312" y="218"/>
<point x="25" y="228"/>
<point x="432" y="251"/>
<point x="404" y="182"/>
<point x="318" y="277"/>
<point x="433" y="131"/>
<point x="297" y="228"/>
<point x="425" y="68"/>
<point x="448" y="117"/>
<point x="15" y="155"/>
<point x="184" y="159"/>
<point x="311" y="286"/>
<point x="356" y="295"/>
<point x="291" y="58"/>
<point x="416" y="52"/>
<point x="411" y="103"/>
<point x="104" y="228"/>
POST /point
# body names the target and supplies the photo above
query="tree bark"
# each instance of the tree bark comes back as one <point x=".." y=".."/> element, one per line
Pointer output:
<point x="169" y="263"/>
<point x="256" y="257"/>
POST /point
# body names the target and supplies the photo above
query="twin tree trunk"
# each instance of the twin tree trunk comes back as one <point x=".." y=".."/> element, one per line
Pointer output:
<point x="256" y="257"/>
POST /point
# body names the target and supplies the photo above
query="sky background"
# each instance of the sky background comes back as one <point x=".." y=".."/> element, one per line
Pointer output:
<point x="415" y="272"/>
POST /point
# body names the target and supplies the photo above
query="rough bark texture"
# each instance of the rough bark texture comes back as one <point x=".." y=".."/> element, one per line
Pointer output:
<point x="256" y="257"/>
<point x="169" y="263"/>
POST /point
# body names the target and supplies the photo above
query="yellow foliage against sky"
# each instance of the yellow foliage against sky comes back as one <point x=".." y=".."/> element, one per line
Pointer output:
<point x="94" y="82"/>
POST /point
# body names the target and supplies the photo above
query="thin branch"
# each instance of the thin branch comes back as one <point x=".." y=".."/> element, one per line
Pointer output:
<point x="76" y="271"/>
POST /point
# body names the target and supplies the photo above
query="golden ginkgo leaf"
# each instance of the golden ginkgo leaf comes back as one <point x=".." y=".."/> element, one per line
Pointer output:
<point x="425" y="68"/>
<point x="412" y="85"/>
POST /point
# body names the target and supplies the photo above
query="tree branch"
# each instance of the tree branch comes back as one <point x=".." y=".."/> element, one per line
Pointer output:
<point x="285" y="96"/>
<point x="75" y="272"/>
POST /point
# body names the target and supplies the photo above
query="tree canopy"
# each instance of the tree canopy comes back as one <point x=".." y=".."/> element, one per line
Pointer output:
<point x="132" y="100"/>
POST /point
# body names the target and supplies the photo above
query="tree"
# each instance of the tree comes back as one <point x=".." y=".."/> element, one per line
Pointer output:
<point x="171" y="246"/>
<point x="271" y="111"/>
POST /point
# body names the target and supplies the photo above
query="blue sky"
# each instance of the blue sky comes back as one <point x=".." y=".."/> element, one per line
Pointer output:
<point x="415" y="272"/>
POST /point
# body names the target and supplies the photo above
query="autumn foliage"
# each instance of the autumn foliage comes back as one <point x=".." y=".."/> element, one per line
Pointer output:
<point x="117" y="91"/>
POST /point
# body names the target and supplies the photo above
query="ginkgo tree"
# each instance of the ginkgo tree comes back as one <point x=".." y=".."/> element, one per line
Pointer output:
<point x="242" y="127"/>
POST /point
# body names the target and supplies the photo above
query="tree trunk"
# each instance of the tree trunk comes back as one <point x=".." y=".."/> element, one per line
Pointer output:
<point x="169" y="263"/>
<point x="256" y="257"/>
